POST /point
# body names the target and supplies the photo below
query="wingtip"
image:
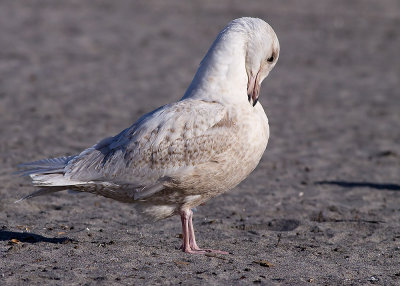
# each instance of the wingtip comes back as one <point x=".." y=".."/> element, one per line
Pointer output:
<point x="20" y="173"/>
<point x="26" y="197"/>
<point x="20" y="200"/>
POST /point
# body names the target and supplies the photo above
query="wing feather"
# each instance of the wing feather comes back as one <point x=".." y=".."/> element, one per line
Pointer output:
<point x="161" y="144"/>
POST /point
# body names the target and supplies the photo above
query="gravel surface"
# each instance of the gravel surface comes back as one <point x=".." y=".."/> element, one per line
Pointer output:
<point x="323" y="206"/>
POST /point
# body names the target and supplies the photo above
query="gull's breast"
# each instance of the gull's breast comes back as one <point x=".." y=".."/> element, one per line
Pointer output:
<point x="248" y="139"/>
<point x="254" y="134"/>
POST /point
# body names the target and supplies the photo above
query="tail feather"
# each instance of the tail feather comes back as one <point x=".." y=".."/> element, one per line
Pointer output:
<point x="60" y="161"/>
<point x="53" y="180"/>
<point x="45" y="166"/>
<point x="47" y="174"/>
<point x="41" y="192"/>
<point x="30" y="172"/>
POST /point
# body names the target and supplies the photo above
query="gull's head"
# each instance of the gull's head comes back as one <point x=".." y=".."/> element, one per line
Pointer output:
<point x="241" y="57"/>
<point x="262" y="53"/>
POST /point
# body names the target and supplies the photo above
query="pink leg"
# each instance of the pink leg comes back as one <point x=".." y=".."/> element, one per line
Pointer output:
<point x="189" y="240"/>
<point x="192" y="238"/>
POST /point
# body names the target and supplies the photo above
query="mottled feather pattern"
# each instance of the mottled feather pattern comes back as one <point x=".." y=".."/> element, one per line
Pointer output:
<point x="160" y="145"/>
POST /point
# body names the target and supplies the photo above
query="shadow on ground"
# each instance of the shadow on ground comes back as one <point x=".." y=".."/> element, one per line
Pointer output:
<point x="378" y="186"/>
<point x="30" y="237"/>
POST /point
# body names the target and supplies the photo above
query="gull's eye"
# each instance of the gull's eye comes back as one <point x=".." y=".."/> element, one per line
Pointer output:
<point x="270" y="59"/>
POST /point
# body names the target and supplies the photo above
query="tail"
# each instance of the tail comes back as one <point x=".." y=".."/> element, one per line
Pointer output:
<point x="48" y="174"/>
<point x="45" y="166"/>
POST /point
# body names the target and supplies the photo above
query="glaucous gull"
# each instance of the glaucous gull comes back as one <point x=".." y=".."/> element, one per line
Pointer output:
<point x="182" y="154"/>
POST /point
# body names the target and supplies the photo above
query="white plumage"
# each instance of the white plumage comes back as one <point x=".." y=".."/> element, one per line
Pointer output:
<point x="184" y="153"/>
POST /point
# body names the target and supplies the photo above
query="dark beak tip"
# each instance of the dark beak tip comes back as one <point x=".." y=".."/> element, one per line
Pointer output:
<point x="250" y="98"/>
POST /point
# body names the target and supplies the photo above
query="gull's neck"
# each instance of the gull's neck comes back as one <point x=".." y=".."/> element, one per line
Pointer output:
<point x="222" y="73"/>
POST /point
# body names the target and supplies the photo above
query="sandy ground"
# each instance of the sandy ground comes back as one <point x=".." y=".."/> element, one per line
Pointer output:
<point x="323" y="206"/>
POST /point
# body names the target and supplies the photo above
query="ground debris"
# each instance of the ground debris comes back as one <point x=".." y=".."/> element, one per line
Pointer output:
<point x="181" y="263"/>
<point x="263" y="262"/>
<point x="23" y="227"/>
<point x="373" y="279"/>
<point x="14" y="241"/>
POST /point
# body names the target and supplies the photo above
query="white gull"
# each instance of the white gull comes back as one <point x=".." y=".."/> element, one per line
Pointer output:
<point x="182" y="154"/>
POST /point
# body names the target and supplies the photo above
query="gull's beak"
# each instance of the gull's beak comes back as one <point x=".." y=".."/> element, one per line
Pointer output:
<point x="253" y="88"/>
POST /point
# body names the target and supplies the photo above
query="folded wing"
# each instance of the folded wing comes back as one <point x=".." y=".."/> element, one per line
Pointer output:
<point x="161" y="145"/>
